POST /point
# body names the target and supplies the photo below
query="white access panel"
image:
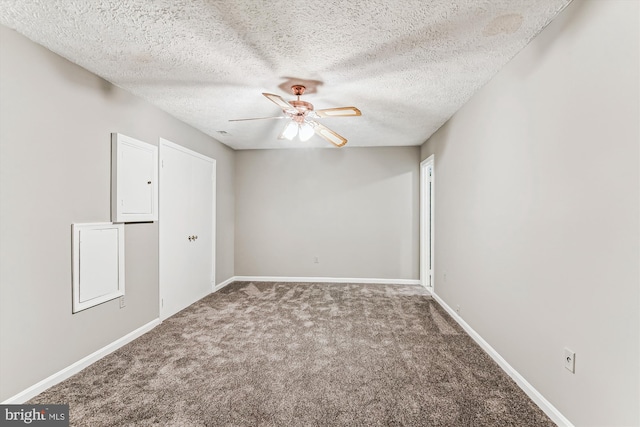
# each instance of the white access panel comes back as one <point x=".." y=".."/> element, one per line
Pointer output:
<point x="98" y="264"/>
<point x="134" y="180"/>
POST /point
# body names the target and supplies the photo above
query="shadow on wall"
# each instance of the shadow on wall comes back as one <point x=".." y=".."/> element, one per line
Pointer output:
<point x="569" y="17"/>
<point x="82" y="78"/>
<point x="437" y="143"/>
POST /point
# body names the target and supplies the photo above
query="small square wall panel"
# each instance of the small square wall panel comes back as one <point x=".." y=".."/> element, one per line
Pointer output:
<point x="98" y="264"/>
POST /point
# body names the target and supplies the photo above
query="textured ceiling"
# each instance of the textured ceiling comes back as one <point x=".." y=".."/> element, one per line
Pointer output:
<point x="407" y="65"/>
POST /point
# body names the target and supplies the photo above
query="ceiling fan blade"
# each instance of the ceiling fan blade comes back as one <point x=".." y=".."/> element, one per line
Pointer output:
<point x="339" y="112"/>
<point x="258" y="118"/>
<point x="276" y="99"/>
<point x="328" y="134"/>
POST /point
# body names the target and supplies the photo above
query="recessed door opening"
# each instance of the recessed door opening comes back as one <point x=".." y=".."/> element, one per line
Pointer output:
<point x="426" y="222"/>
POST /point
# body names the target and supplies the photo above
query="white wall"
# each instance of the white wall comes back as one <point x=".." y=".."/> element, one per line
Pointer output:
<point x="356" y="209"/>
<point x="537" y="212"/>
<point x="55" y="125"/>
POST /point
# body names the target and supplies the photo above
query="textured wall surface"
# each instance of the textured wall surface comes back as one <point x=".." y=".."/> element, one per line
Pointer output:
<point x="408" y="65"/>
<point x="537" y="210"/>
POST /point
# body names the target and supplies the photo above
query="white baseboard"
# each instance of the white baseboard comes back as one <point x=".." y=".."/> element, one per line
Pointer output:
<point x="221" y="285"/>
<point x="546" y="406"/>
<point x="78" y="366"/>
<point x="325" y="280"/>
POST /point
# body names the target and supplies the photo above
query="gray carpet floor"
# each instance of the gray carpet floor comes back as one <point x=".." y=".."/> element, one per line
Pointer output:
<point x="292" y="354"/>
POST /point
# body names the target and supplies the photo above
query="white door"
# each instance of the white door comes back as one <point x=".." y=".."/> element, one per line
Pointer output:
<point x="187" y="224"/>
<point x="426" y="223"/>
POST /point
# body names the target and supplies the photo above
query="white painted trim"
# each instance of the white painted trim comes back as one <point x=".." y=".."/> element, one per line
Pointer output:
<point x="325" y="280"/>
<point x="185" y="150"/>
<point x="429" y="161"/>
<point x="78" y="366"/>
<point x="221" y="285"/>
<point x="76" y="250"/>
<point x="546" y="406"/>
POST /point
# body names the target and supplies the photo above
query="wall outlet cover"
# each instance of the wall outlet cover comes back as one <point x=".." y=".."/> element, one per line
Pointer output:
<point x="570" y="360"/>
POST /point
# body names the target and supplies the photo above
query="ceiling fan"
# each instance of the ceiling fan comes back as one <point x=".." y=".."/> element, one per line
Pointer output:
<point x="302" y="118"/>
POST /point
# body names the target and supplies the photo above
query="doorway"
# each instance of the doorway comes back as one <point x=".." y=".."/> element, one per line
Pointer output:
<point x="186" y="227"/>
<point x="426" y="222"/>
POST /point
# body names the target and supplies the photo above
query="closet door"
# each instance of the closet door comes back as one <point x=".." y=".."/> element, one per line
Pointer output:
<point x="200" y="216"/>
<point x="187" y="183"/>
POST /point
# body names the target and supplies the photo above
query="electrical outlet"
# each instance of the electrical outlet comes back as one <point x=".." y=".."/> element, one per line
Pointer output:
<point x="122" y="303"/>
<point x="316" y="260"/>
<point x="570" y="360"/>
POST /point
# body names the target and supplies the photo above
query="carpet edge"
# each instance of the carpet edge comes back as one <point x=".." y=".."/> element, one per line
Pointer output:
<point x="325" y="280"/>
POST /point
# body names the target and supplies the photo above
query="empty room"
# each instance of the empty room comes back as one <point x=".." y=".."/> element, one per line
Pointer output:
<point x="287" y="213"/>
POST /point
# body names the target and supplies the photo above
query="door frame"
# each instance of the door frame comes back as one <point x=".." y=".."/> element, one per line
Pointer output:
<point x="163" y="145"/>
<point x="427" y="199"/>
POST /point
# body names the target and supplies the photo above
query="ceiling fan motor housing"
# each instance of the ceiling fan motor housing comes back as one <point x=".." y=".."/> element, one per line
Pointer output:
<point x="302" y="106"/>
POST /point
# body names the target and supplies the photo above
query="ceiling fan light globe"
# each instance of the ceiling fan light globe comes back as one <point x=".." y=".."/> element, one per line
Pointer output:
<point x="291" y="130"/>
<point x="306" y="132"/>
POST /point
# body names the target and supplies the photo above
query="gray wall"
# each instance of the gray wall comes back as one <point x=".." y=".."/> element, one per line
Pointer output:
<point x="537" y="210"/>
<point x="55" y="125"/>
<point x="356" y="209"/>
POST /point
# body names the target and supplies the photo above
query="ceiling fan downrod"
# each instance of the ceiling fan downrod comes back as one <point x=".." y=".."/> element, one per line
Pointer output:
<point x="301" y="106"/>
